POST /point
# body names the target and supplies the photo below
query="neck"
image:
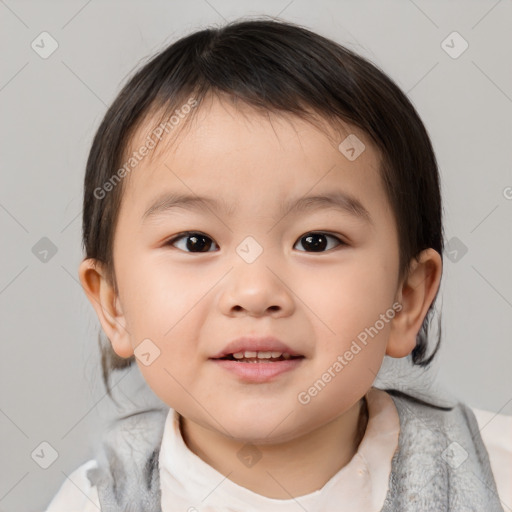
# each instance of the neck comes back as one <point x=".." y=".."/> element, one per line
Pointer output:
<point x="287" y="469"/>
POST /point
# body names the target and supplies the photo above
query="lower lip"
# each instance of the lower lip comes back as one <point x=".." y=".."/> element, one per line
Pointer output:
<point x="259" y="372"/>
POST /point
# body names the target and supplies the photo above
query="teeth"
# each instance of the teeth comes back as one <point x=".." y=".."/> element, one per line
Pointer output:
<point x="260" y="355"/>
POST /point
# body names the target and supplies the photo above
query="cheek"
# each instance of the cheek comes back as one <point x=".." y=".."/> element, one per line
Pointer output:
<point x="158" y="296"/>
<point x="347" y="298"/>
<point x="352" y="320"/>
<point x="164" y="304"/>
<point x="338" y="387"/>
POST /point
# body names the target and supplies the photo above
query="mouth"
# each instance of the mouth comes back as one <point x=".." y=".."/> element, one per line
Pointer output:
<point x="257" y="360"/>
<point x="257" y="350"/>
<point x="259" y="357"/>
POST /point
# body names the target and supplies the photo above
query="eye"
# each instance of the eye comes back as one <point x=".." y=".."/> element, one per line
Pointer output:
<point x="317" y="242"/>
<point x="194" y="242"/>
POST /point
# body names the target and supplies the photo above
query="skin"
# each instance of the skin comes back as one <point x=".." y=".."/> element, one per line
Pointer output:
<point x="191" y="304"/>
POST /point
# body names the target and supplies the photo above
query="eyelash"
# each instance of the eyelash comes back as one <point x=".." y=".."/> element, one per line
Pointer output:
<point x="186" y="234"/>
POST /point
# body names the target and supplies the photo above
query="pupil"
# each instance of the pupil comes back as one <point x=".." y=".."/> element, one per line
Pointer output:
<point x="198" y="242"/>
<point x="317" y="242"/>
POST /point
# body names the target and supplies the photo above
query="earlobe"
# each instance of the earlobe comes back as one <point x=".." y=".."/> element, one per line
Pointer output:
<point x="415" y="294"/>
<point x="106" y="303"/>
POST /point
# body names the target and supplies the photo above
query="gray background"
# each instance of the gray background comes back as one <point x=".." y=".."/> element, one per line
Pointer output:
<point x="50" y="379"/>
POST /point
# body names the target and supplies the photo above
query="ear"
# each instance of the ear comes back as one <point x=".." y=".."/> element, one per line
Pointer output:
<point x="416" y="293"/>
<point x="106" y="303"/>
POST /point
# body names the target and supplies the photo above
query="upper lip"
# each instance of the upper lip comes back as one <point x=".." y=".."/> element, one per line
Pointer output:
<point x="255" y="344"/>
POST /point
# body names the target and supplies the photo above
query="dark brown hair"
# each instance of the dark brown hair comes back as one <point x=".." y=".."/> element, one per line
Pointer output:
<point x="275" y="66"/>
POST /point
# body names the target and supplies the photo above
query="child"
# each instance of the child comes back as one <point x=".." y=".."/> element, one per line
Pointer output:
<point x="263" y="224"/>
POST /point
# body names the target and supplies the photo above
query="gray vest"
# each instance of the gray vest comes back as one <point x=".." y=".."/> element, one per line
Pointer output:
<point x="441" y="463"/>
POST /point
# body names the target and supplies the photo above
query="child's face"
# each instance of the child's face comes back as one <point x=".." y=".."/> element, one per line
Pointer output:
<point x="192" y="304"/>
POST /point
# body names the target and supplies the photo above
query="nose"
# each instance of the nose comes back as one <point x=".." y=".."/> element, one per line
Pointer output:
<point x="256" y="289"/>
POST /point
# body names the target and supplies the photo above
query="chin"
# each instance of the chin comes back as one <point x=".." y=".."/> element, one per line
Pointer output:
<point x="257" y="428"/>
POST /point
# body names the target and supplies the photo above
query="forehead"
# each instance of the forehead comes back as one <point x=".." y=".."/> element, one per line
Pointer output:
<point x="242" y="156"/>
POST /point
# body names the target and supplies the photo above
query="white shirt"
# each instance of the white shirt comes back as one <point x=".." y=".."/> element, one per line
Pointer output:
<point x="189" y="484"/>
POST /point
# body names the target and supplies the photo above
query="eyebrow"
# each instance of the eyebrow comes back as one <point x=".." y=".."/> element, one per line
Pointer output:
<point x="338" y="200"/>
